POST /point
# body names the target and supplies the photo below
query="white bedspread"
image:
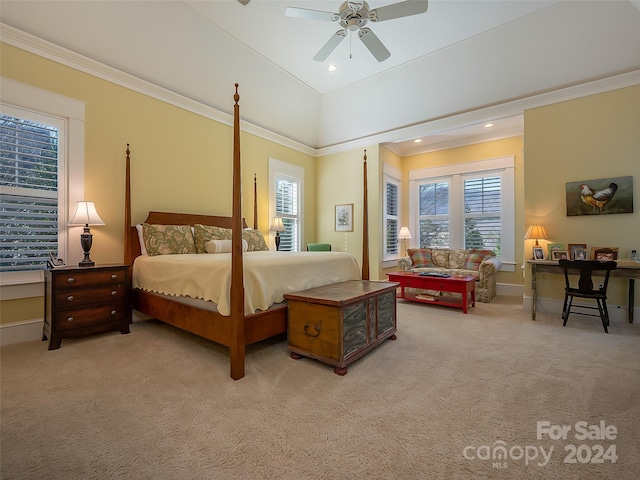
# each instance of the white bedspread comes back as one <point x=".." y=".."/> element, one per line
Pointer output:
<point x="267" y="275"/>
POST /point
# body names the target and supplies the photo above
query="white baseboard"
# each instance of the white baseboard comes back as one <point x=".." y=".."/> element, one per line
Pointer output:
<point x="617" y="313"/>
<point x="19" y="332"/>
<point x="510" y="289"/>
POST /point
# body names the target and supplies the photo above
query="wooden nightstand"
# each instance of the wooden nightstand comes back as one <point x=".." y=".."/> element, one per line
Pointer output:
<point x="83" y="301"/>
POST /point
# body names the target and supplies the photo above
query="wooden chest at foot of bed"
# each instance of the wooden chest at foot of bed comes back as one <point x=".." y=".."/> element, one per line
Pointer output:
<point x="338" y="323"/>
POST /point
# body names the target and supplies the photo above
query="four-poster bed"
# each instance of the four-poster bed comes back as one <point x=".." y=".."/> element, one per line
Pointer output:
<point x="239" y="327"/>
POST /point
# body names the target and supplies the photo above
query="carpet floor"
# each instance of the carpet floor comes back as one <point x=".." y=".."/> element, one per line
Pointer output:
<point x="490" y="394"/>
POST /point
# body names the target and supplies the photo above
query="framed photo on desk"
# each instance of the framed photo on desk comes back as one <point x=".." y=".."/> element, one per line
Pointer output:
<point x="578" y="251"/>
<point x="538" y="253"/>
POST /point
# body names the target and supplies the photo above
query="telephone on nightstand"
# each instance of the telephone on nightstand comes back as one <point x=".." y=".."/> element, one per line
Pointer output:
<point x="54" y="262"/>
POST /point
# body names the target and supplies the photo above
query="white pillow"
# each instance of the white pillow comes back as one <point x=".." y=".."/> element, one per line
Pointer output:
<point x="143" y="249"/>
<point x="223" y="246"/>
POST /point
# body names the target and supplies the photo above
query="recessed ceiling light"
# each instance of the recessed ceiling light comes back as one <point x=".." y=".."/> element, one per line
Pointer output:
<point x="489" y="125"/>
<point x="331" y="68"/>
<point x="417" y="140"/>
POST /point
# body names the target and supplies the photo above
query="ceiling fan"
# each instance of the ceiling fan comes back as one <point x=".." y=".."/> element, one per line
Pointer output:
<point x="353" y="16"/>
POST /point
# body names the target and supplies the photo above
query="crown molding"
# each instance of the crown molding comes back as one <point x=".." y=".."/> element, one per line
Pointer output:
<point x="19" y="39"/>
<point x="32" y="44"/>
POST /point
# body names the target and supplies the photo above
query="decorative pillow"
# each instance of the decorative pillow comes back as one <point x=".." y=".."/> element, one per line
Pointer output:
<point x="420" y="257"/>
<point x="203" y="233"/>
<point x="255" y="240"/>
<point x="223" y="246"/>
<point x="457" y="257"/>
<point x="476" y="257"/>
<point x="440" y="257"/>
<point x="168" y="239"/>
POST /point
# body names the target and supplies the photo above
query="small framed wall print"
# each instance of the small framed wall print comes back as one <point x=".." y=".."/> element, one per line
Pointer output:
<point x="538" y="253"/>
<point x="344" y="218"/>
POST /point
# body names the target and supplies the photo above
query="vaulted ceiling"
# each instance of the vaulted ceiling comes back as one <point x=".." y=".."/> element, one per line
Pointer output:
<point x="451" y="69"/>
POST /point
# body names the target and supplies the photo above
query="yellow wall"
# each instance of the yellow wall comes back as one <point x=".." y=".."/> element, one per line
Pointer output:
<point x="181" y="161"/>
<point x="340" y="181"/>
<point x="587" y="138"/>
<point x="480" y="151"/>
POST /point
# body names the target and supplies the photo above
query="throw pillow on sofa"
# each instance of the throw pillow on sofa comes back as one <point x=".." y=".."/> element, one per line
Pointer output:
<point x="420" y="257"/>
<point x="476" y="257"/>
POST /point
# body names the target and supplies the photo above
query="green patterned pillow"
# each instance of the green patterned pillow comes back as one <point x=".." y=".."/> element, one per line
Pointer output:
<point x="168" y="239"/>
<point x="420" y="257"/>
<point x="440" y="257"/>
<point x="457" y="257"/>
<point x="255" y="240"/>
<point x="204" y="233"/>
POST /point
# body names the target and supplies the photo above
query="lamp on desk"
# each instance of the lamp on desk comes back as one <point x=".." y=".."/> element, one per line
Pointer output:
<point x="86" y="215"/>
<point x="277" y="226"/>
<point x="404" y="235"/>
<point x="536" y="232"/>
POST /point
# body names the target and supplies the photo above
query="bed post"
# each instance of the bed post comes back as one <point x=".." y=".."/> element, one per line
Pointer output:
<point x="127" y="210"/>
<point x="236" y="344"/>
<point x="255" y="202"/>
<point x="365" y="225"/>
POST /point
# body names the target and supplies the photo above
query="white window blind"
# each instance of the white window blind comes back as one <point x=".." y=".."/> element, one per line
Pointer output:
<point x="482" y="213"/>
<point x="391" y="218"/>
<point x="287" y="208"/>
<point x="29" y="197"/>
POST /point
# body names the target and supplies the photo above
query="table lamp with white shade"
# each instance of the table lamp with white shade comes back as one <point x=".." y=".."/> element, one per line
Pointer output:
<point x="404" y="235"/>
<point x="86" y="215"/>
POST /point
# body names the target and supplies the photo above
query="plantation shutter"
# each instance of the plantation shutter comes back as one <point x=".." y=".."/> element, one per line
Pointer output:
<point x="391" y="215"/>
<point x="29" y="195"/>
<point x="287" y="209"/>
<point x="483" y="213"/>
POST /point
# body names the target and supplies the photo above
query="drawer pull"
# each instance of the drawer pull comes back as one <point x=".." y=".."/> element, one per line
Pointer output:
<point x="114" y="293"/>
<point x="310" y="334"/>
<point x="70" y="298"/>
<point x="71" y="280"/>
<point x="70" y="319"/>
<point x="114" y="313"/>
<point x="114" y="276"/>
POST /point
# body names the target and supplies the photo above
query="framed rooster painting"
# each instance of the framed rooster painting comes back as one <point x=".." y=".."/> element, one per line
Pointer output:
<point x="600" y="197"/>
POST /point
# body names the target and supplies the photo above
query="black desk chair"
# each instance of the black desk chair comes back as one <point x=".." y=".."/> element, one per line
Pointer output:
<point x="587" y="268"/>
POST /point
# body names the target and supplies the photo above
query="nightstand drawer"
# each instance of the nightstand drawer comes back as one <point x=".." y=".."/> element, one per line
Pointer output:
<point x="101" y="294"/>
<point x="80" y="317"/>
<point x="81" y="279"/>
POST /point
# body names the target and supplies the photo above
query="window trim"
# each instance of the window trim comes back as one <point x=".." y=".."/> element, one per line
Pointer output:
<point x="71" y="168"/>
<point x="457" y="173"/>
<point x="394" y="176"/>
<point x="284" y="169"/>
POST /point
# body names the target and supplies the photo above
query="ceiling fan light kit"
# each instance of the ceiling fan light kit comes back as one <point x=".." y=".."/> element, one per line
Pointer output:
<point x="353" y="16"/>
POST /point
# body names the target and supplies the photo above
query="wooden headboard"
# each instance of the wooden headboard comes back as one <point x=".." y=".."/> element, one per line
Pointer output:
<point x="169" y="218"/>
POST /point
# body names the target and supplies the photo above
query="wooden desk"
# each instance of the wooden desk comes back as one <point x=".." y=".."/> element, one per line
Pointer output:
<point x="626" y="269"/>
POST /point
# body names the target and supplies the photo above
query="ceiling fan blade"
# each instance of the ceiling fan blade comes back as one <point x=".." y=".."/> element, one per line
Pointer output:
<point x="397" y="10"/>
<point x="330" y="46"/>
<point x="373" y="43"/>
<point x="311" y="14"/>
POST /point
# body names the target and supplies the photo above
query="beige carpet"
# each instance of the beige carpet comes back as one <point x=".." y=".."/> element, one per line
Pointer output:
<point x="159" y="404"/>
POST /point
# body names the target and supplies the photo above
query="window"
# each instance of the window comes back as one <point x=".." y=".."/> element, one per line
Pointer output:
<point x="467" y="206"/>
<point x="41" y="131"/>
<point x="391" y="212"/>
<point x="29" y="181"/>
<point x="286" y="183"/>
